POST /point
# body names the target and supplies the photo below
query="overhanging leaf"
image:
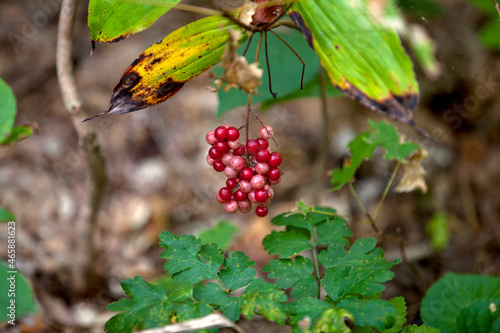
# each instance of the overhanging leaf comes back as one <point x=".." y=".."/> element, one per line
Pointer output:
<point x="114" y="20"/>
<point x="361" y="53"/>
<point x="161" y="70"/>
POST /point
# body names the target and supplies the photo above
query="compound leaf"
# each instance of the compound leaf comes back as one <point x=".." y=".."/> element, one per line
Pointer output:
<point x="144" y="298"/>
<point x="286" y="243"/>
<point x="388" y="137"/>
<point x="296" y="274"/>
<point x="231" y="308"/>
<point x="305" y="308"/>
<point x="238" y="271"/>
<point x="265" y="299"/>
<point x="380" y="314"/>
<point x="114" y="20"/>
<point x="400" y="306"/>
<point x="211" y="293"/>
<point x="188" y="260"/>
<point x="333" y="231"/>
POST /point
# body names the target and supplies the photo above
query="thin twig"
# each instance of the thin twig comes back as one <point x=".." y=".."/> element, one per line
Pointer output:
<point x="386" y="190"/>
<point x="87" y="139"/>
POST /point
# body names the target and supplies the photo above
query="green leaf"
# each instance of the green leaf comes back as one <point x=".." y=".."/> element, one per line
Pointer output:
<point x="238" y="271"/>
<point x="361" y="149"/>
<point x="482" y="316"/>
<point x="294" y="274"/>
<point x="361" y="271"/>
<point x="334" y="320"/>
<point x="303" y="308"/>
<point x="21" y="294"/>
<point x="379" y="313"/>
<point x="445" y="299"/>
<point x="188" y="311"/>
<point x="286" y="71"/>
<point x="114" y="20"/>
<point x="286" y="244"/>
<point x="420" y="329"/>
<point x="211" y="293"/>
<point x="220" y="234"/>
<point x="386" y="136"/>
<point x="162" y="70"/>
<point x="333" y="231"/>
<point x="6" y="216"/>
<point x="147" y="306"/>
<point x="438" y="230"/>
<point x="400" y="306"/>
<point x="231" y="308"/>
<point x="18" y="133"/>
<point x="187" y="260"/>
<point x="7" y="109"/>
<point x="265" y="299"/>
<point x="361" y="53"/>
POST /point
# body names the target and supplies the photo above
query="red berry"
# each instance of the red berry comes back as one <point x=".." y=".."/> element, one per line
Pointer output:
<point x="231" y="207"/>
<point x="230" y="172"/>
<point x="260" y="211"/>
<point x="251" y="196"/>
<point x="275" y="160"/>
<point x="260" y="196"/>
<point x="263" y="143"/>
<point x="241" y="150"/>
<point x="245" y="186"/>
<point x="262" y="156"/>
<point x="219" y="166"/>
<point x="232" y="133"/>
<point x="261" y="168"/>
<point x="239" y="195"/>
<point x="214" y="153"/>
<point x="220" y="133"/>
<point x="226" y="159"/>
<point x="274" y="174"/>
<point x="266" y="132"/>
<point x="237" y="163"/>
<point x="246" y="173"/>
<point x="210" y="138"/>
<point x="245" y="206"/>
<point x="252" y="146"/>
<point x="222" y="147"/>
<point x="270" y="193"/>
<point x="257" y="182"/>
<point x="231" y="183"/>
<point x="234" y="144"/>
<point x="225" y="194"/>
<point x="210" y="160"/>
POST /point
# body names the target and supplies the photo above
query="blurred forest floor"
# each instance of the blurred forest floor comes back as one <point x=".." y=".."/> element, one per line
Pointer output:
<point x="159" y="180"/>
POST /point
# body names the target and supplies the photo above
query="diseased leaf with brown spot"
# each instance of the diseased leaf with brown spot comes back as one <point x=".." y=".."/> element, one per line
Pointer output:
<point x="363" y="57"/>
<point x="162" y="69"/>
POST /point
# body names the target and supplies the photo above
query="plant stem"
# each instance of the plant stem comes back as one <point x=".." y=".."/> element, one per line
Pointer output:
<point x="87" y="139"/>
<point x="316" y="264"/>
<point x="386" y="190"/>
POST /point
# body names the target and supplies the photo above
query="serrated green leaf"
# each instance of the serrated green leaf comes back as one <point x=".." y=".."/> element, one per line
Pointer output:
<point x="311" y="308"/>
<point x="114" y="20"/>
<point x="286" y="244"/>
<point x="22" y="294"/>
<point x="187" y="311"/>
<point x="420" y="329"/>
<point x="238" y="271"/>
<point x="144" y="297"/>
<point x="18" y="133"/>
<point x="231" y="308"/>
<point x="211" y="293"/>
<point x="361" y="149"/>
<point x="387" y="136"/>
<point x="7" y="109"/>
<point x="334" y="320"/>
<point x="400" y="306"/>
<point x="294" y="274"/>
<point x="380" y="314"/>
<point x="360" y="271"/>
<point x="306" y="217"/>
<point x="6" y="216"/>
<point x="481" y="316"/>
<point x="265" y="299"/>
<point x="187" y="260"/>
<point x="220" y="234"/>
<point x="341" y="32"/>
<point x="333" y="231"/>
<point x="437" y="229"/>
<point x="445" y="298"/>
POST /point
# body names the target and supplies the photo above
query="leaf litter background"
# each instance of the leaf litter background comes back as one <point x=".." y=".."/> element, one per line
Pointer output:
<point x="159" y="180"/>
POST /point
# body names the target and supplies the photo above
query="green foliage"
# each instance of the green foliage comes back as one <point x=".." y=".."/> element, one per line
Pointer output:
<point x="488" y="33"/>
<point x="482" y="316"/>
<point x="6" y="216"/>
<point x="8" y="133"/>
<point x="284" y="64"/>
<point x="22" y="294"/>
<point x="352" y="279"/>
<point x="451" y="303"/>
<point x="220" y="234"/>
<point x="114" y="20"/>
<point x="381" y="134"/>
<point x="420" y="329"/>
<point x="438" y="231"/>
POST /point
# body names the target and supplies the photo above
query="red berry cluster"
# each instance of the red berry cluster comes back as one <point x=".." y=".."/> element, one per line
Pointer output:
<point x="251" y="169"/>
